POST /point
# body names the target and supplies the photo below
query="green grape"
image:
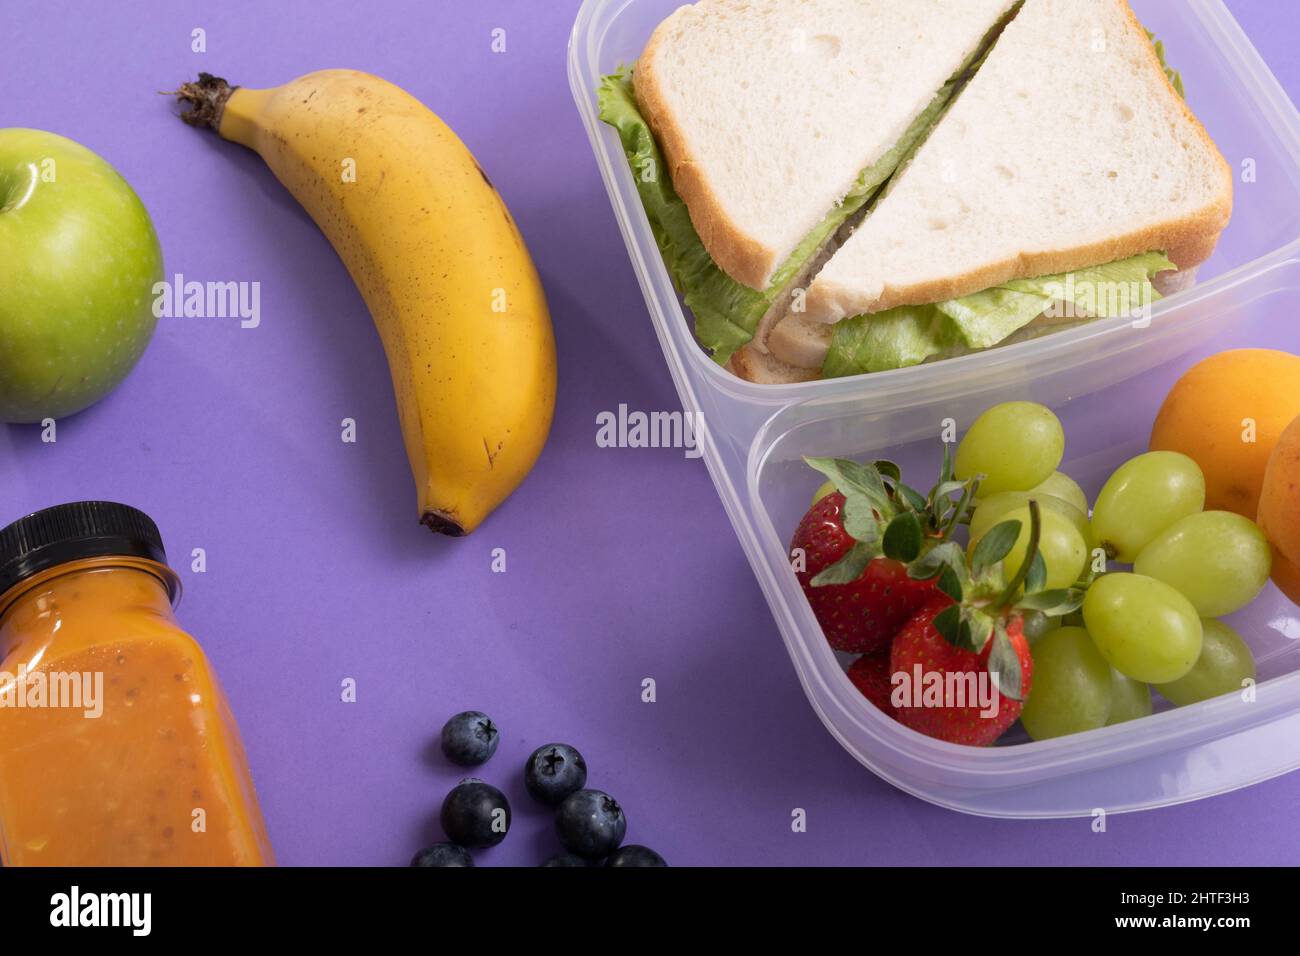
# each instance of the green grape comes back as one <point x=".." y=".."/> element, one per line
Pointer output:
<point x="1063" y="549"/>
<point x="1144" y="496"/>
<point x="1129" y="699"/>
<point x="1224" y="664"/>
<point x="826" y="488"/>
<point x="1144" y="627"/>
<point x="996" y="508"/>
<point x="1219" y="560"/>
<point x="1062" y="486"/>
<point x="1071" y="689"/>
<point x="1015" y="446"/>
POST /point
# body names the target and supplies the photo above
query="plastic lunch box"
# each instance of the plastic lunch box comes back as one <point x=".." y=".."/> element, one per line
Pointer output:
<point x="1108" y="372"/>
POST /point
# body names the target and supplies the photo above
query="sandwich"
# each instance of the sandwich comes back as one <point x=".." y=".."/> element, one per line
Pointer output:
<point x="1062" y="178"/>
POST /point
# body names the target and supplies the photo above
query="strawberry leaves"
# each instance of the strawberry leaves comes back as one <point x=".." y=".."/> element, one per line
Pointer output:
<point x="1004" y="664"/>
<point x="964" y="627"/>
<point x="855" y="480"/>
<point x="971" y="625"/>
<point x="903" y="538"/>
<point x="994" y="546"/>
<point x="944" y="561"/>
<point x="1055" y="603"/>
<point x="897" y="522"/>
<point x="850" y="567"/>
<point x="875" y="498"/>
<point x="1036" y="576"/>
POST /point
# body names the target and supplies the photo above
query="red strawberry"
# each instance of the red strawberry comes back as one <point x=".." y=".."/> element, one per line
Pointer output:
<point x="871" y="675"/>
<point x="860" y="617"/>
<point x="920" y="644"/>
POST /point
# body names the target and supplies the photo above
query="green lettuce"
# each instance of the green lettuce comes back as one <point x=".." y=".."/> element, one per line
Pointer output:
<point x="726" y="312"/>
<point x="1175" y="78"/>
<point x="909" y="335"/>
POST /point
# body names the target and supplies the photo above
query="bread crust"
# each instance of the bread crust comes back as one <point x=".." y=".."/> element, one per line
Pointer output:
<point x="1187" y="241"/>
<point x="765" y="369"/>
<point x="739" y="255"/>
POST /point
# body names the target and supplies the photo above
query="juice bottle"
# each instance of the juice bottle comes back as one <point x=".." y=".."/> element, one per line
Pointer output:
<point x="117" y="747"/>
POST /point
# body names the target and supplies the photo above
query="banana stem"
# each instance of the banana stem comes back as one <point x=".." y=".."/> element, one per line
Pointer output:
<point x="206" y="99"/>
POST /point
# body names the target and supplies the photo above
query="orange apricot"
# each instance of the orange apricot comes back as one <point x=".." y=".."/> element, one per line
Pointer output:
<point x="1279" y="497"/>
<point x="1227" y="413"/>
<point x="1286" y="575"/>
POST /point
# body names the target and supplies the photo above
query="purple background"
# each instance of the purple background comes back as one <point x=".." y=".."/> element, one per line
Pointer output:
<point x="621" y="563"/>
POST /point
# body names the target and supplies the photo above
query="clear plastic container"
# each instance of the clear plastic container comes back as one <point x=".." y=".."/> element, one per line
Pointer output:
<point x="1106" y="371"/>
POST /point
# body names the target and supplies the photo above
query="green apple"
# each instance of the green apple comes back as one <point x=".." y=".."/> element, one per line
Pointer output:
<point x="78" y="262"/>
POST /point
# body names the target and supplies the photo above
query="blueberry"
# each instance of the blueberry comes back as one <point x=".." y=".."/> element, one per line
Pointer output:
<point x="470" y="738"/>
<point x="590" y="823"/>
<point x="635" y="855"/>
<point x="442" y="854"/>
<point x="475" y="814"/>
<point x="566" y="859"/>
<point x="553" y="772"/>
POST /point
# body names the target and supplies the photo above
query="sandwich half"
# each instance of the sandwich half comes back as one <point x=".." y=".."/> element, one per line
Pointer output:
<point x="758" y="130"/>
<point x="1068" y="180"/>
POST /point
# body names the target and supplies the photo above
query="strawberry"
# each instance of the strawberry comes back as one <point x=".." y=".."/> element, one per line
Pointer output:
<point x="871" y="675"/>
<point x="920" y="645"/>
<point x="968" y="643"/>
<point x="863" y="553"/>
<point x="862" y="616"/>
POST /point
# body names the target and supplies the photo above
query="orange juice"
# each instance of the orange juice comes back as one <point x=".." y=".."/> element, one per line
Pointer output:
<point x="117" y="747"/>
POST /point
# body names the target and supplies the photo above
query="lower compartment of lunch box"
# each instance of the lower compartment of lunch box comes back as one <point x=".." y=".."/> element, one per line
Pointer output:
<point x="1107" y="409"/>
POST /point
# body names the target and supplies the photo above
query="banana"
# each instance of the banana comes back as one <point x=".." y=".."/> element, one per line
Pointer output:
<point x="439" y="261"/>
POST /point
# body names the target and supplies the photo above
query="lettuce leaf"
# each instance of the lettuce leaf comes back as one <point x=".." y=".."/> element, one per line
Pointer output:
<point x="910" y="335"/>
<point x="726" y="312"/>
<point x="895" y="339"/>
<point x="1175" y="78"/>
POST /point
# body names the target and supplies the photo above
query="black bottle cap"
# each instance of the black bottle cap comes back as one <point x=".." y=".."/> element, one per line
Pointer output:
<point x="80" y="529"/>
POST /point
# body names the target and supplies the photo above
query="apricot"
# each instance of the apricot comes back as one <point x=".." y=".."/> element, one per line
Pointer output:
<point x="1286" y="575"/>
<point x="1227" y="413"/>
<point x="1279" y="497"/>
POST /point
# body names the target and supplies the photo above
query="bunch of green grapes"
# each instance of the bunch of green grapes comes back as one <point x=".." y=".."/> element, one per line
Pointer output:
<point x="1152" y="626"/>
<point x="1189" y="567"/>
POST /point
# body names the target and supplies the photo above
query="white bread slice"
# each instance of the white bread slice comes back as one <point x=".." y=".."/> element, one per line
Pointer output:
<point x="1068" y="148"/>
<point x="767" y="111"/>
